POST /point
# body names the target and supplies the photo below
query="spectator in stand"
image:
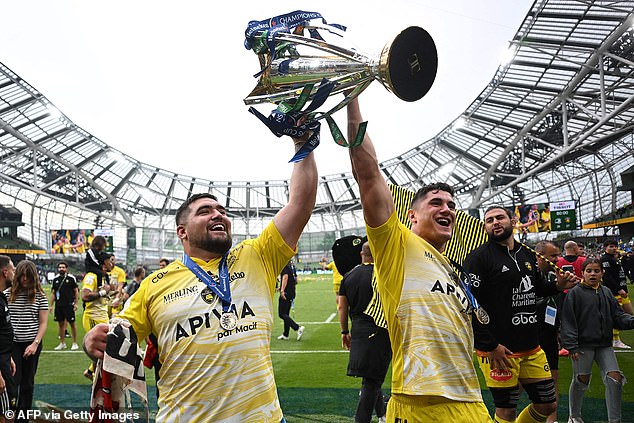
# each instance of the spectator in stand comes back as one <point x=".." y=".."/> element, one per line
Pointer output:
<point x="28" y="306"/>
<point x="614" y="279"/>
<point x="163" y="262"/>
<point x="582" y="249"/>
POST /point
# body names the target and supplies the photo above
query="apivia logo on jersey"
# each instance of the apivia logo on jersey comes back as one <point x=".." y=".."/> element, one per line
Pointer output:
<point x="448" y="288"/>
<point x="201" y="322"/>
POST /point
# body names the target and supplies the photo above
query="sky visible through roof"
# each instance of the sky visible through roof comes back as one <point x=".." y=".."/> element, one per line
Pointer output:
<point x="164" y="82"/>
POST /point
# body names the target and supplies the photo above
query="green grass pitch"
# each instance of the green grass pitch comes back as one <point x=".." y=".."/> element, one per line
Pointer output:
<point x="310" y="374"/>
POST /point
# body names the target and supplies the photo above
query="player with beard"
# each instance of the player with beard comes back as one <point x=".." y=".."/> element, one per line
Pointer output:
<point x="506" y="281"/>
<point x="212" y="310"/>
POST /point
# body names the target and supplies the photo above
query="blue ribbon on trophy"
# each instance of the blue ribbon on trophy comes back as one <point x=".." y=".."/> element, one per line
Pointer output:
<point x="288" y="119"/>
<point x="289" y="78"/>
<point x="282" y="23"/>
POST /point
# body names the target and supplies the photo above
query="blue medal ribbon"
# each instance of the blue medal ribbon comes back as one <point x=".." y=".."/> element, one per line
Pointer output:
<point x="466" y="287"/>
<point x="222" y="290"/>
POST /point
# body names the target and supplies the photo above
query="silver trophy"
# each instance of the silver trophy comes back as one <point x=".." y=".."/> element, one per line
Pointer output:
<point x="406" y="66"/>
<point x="296" y="64"/>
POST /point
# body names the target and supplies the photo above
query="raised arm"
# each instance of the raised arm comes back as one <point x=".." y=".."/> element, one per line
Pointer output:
<point x="376" y="199"/>
<point x="290" y="221"/>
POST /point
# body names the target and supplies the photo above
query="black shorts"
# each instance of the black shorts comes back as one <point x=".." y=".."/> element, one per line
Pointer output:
<point x="370" y="351"/>
<point x="10" y="396"/>
<point x="64" y="313"/>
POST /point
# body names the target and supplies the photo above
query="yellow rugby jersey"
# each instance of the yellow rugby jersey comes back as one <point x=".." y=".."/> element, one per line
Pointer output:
<point x="431" y="335"/>
<point x="97" y="309"/>
<point x="208" y="373"/>
<point x="117" y="275"/>
<point x="336" y="276"/>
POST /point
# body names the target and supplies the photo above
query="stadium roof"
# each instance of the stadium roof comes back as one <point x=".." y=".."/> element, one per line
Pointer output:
<point x="554" y="123"/>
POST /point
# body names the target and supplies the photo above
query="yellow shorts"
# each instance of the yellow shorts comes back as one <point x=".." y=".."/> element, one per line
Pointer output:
<point x="532" y="366"/>
<point x="423" y="409"/>
<point x="113" y="311"/>
<point x="90" y="322"/>
<point x="335" y="287"/>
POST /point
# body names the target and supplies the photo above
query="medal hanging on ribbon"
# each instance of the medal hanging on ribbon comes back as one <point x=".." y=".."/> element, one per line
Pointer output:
<point x="228" y="319"/>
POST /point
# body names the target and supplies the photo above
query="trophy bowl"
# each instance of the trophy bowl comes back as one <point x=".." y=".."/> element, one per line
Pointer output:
<point x="407" y="65"/>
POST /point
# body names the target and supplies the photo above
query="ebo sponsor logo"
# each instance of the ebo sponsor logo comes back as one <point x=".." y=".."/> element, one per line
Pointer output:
<point x="523" y="319"/>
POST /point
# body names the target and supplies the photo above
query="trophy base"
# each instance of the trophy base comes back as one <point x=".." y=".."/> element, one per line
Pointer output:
<point x="408" y="64"/>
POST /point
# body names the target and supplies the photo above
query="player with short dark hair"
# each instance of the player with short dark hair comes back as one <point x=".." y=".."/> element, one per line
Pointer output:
<point x="506" y="282"/>
<point x="426" y="310"/>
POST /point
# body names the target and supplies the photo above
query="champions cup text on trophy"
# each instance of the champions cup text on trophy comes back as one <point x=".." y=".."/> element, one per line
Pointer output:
<point x="298" y="69"/>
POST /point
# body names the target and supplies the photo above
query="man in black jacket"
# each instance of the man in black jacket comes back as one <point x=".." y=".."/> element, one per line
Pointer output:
<point x="506" y="282"/>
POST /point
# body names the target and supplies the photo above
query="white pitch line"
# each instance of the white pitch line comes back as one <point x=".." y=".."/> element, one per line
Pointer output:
<point x="329" y="319"/>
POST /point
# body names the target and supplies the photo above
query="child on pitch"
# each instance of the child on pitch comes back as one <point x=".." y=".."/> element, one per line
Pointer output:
<point x="590" y="312"/>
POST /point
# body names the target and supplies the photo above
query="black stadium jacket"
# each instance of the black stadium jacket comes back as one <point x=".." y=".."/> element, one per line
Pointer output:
<point x="507" y="284"/>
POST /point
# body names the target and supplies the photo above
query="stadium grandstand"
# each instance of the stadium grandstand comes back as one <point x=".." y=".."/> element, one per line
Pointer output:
<point x="554" y="123"/>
